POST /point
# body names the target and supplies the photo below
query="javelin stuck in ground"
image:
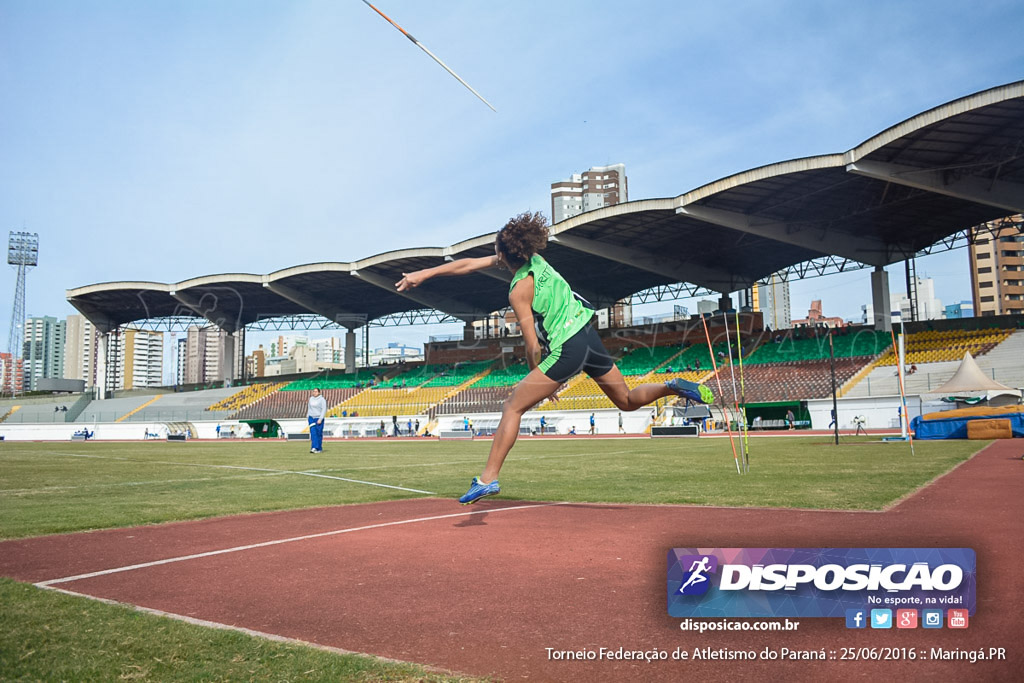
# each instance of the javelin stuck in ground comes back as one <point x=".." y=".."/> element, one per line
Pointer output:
<point x="432" y="55"/>
<point x="721" y="396"/>
<point x="905" y="418"/>
<point x="742" y="407"/>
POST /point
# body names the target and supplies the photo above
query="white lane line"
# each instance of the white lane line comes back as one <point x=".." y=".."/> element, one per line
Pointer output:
<point x="265" y="544"/>
<point x="250" y="469"/>
<point x="315" y="474"/>
<point x="477" y="460"/>
<point x="247" y="631"/>
<point x="152" y="482"/>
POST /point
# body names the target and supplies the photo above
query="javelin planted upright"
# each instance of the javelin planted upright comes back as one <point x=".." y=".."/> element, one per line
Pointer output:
<point x="725" y="417"/>
<point x="742" y="405"/>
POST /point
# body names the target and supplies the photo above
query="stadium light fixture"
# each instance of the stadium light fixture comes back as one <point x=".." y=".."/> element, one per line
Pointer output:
<point x="23" y="249"/>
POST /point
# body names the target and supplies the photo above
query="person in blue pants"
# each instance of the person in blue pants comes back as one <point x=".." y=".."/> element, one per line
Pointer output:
<point x="316" y="413"/>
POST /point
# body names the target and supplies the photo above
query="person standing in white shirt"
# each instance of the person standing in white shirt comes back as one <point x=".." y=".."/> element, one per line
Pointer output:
<point x="316" y="413"/>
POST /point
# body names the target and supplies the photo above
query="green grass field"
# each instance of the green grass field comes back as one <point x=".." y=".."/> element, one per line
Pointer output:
<point x="55" y="488"/>
<point x="64" y="487"/>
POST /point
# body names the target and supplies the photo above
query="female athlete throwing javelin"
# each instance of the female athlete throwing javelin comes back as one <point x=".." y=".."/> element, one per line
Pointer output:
<point x="560" y="341"/>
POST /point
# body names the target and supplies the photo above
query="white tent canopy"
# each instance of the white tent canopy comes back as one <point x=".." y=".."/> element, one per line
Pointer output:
<point x="970" y="380"/>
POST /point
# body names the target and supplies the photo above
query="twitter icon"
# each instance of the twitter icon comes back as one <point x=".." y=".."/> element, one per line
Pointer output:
<point x="881" y="618"/>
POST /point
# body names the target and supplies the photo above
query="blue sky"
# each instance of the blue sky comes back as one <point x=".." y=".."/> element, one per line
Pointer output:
<point x="164" y="140"/>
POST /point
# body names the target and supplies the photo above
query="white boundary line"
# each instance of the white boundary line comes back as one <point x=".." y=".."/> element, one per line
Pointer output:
<point x="477" y="460"/>
<point x="152" y="482"/>
<point x="250" y="469"/>
<point x="265" y="544"/>
<point x="251" y="632"/>
<point x="313" y="474"/>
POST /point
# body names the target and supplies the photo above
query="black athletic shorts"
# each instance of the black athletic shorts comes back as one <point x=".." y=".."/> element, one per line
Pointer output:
<point x="582" y="352"/>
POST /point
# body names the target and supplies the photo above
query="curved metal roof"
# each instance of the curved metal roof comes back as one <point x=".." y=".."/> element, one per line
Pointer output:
<point x="922" y="180"/>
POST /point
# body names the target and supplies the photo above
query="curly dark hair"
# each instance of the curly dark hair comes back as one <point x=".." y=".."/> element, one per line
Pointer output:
<point x="522" y="237"/>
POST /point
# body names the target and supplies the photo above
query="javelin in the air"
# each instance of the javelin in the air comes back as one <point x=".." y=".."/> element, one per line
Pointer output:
<point x="432" y="55"/>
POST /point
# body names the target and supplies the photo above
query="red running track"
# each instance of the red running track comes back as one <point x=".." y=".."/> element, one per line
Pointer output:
<point x="485" y="590"/>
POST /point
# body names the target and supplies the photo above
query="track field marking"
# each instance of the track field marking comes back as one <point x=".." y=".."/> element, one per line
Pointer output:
<point x="250" y="469"/>
<point x="255" y="634"/>
<point x="316" y="473"/>
<point x="152" y="482"/>
<point x="477" y="460"/>
<point x="266" y="544"/>
<point x="251" y="632"/>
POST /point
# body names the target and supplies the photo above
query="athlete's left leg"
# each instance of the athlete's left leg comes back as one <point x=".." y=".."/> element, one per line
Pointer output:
<point x="531" y="390"/>
<point x="624" y="398"/>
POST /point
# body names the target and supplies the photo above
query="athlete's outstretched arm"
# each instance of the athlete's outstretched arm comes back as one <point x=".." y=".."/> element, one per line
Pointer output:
<point x="462" y="266"/>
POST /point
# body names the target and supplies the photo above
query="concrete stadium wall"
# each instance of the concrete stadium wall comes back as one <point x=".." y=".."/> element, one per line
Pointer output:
<point x="881" y="412"/>
<point x="108" y="431"/>
<point x="606" y="421"/>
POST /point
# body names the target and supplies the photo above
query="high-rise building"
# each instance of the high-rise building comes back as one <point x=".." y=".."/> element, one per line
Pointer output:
<point x="255" y="363"/>
<point x="11" y="375"/>
<point x="283" y="345"/>
<point x="43" y="352"/>
<point x="927" y="306"/>
<point x="180" y="360"/>
<point x="329" y="350"/>
<point x="80" y="349"/>
<point x="207" y="354"/>
<point x="599" y="186"/>
<point x="997" y="268"/>
<point x="592" y="189"/>
<point x="772" y="299"/>
<point x="301" y="359"/>
<point x="141" y="359"/>
<point x="619" y="315"/>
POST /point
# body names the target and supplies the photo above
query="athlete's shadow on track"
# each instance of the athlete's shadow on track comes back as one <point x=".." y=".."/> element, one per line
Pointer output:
<point x="474" y="520"/>
<point x="478" y="516"/>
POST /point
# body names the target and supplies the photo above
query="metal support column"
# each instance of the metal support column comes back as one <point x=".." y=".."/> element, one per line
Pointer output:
<point x="880" y="299"/>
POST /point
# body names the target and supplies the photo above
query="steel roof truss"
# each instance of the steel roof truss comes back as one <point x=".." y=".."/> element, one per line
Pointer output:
<point x="344" y="317"/>
<point x="857" y="248"/>
<point x="712" y="278"/>
<point x="1002" y="194"/>
<point x="453" y="307"/>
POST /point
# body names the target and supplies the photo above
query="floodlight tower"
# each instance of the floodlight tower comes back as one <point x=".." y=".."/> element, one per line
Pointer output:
<point x="22" y="253"/>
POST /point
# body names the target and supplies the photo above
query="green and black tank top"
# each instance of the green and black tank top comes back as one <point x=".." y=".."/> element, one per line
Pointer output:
<point x="558" y="312"/>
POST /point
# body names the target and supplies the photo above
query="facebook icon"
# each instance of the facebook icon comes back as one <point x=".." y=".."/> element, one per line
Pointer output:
<point x="856" y="618"/>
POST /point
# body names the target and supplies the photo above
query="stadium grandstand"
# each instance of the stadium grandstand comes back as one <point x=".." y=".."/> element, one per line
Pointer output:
<point x="783" y="369"/>
<point x="918" y="186"/>
<point x="937" y="355"/>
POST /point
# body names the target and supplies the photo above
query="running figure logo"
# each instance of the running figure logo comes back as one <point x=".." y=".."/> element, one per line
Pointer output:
<point x="696" y="581"/>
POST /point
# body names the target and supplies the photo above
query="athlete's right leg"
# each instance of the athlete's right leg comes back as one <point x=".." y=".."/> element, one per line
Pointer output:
<point x="624" y="398"/>
<point x="599" y="365"/>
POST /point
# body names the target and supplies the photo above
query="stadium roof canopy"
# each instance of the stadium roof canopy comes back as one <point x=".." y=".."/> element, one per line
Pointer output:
<point x="903" y="190"/>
